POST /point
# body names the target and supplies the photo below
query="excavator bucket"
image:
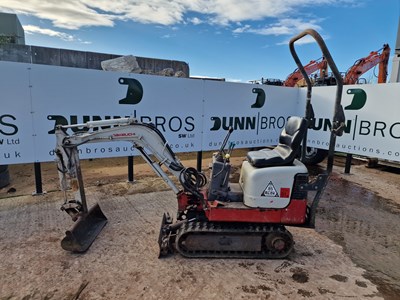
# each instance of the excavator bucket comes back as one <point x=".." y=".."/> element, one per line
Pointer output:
<point x="85" y="230"/>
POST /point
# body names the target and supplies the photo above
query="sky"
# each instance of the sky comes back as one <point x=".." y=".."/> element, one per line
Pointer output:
<point x="239" y="40"/>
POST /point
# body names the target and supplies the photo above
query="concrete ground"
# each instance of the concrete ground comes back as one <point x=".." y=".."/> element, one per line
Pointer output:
<point x="349" y="256"/>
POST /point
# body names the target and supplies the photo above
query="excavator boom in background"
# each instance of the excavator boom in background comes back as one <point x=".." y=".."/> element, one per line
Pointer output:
<point x="362" y="65"/>
<point x="313" y="66"/>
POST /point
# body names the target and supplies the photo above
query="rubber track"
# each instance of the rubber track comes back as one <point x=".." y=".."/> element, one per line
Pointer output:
<point x="254" y="229"/>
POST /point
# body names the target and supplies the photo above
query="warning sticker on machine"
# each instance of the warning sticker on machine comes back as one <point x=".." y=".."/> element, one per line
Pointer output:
<point x="285" y="192"/>
<point x="270" y="191"/>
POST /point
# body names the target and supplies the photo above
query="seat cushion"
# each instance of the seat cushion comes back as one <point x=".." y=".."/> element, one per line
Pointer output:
<point x="270" y="157"/>
<point x="285" y="152"/>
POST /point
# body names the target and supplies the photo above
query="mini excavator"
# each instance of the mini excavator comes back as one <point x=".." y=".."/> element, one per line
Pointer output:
<point x="216" y="218"/>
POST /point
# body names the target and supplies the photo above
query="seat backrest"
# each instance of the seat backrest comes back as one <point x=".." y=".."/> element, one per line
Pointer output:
<point x="293" y="134"/>
<point x="286" y="150"/>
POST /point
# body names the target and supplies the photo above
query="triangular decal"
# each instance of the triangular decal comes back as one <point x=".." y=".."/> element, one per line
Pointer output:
<point x="270" y="191"/>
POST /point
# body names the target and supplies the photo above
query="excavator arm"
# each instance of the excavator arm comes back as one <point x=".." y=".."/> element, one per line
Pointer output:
<point x="146" y="138"/>
<point x="313" y="66"/>
<point x="362" y="65"/>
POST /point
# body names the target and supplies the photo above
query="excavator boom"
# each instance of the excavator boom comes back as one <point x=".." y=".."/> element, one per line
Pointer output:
<point x="362" y="65"/>
<point x="146" y="138"/>
<point x="313" y="66"/>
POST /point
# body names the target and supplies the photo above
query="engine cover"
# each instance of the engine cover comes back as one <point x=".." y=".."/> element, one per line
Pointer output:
<point x="269" y="187"/>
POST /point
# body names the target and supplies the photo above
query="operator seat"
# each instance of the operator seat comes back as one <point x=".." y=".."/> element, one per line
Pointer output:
<point x="287" y="149"/>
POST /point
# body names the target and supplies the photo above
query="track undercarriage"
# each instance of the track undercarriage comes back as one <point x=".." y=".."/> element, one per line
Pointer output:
<point x="204" y="239"/>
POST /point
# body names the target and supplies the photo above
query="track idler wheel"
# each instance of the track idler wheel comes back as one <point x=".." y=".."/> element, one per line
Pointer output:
<point x="279" y="242"/>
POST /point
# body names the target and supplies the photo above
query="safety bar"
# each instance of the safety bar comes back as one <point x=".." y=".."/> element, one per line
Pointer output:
<point x="338" y="114"/>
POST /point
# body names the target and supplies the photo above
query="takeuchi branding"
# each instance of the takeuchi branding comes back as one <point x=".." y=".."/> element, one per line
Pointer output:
<point x="124" y="134"/>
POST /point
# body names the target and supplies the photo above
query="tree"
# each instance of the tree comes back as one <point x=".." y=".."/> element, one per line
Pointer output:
<point x="7" y="39"/>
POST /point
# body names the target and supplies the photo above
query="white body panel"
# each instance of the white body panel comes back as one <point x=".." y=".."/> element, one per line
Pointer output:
<point x="269" y="187"/>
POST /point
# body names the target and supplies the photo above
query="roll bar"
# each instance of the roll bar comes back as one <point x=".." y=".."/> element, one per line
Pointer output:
<point x="338" y="114"/>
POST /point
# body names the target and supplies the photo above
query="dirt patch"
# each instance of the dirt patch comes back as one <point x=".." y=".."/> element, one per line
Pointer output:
<point x="300" y="275"/>
<point x="339" y="278"/>
<point x="305" y="293"/>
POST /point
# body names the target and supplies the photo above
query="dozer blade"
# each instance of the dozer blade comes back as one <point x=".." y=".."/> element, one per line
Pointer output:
<point x="164" y="236"/>
<point x="85" y="230"/>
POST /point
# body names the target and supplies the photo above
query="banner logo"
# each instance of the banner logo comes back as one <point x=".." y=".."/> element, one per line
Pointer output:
<point x="134" y="93"/>
<point x="359" y="126"/>
<point x="359" y="99"/>
<point x="260" y="100"/>
<point x="255" y="121"/>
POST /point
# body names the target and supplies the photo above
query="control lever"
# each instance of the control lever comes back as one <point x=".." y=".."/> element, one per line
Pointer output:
<point x="221" y="150"/>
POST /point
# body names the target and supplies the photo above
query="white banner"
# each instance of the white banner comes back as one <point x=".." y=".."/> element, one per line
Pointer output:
<point x="372" y="120"/>
<point x="193" y="114"/>
<point x="73" y="96"/>
<point x="257" y="113"/>
<point x="16" y="116"/>
<point x="36" y="97"/>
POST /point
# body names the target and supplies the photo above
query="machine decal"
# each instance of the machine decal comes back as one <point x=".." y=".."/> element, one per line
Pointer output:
<point x="123" y="134"/>
<point x="270" y="191"/>
<point x="285" y="192"/>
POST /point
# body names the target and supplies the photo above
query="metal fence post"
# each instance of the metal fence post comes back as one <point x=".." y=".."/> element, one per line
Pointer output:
<point x="199" y="158"/>
<point x="347" y="167"/>
<point x="130" y="169"/>
<point x="38" y="180"/>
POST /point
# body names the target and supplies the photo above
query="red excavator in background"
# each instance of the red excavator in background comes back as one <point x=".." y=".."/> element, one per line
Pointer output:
<point x="353" y="74"/>
<point x="362" y="65"/>
<point x="313" y="66"/>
